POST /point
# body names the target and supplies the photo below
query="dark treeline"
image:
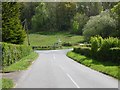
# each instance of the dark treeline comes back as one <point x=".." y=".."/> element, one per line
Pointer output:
<point x="74" y="17"/>
<point x="83" y="18"/>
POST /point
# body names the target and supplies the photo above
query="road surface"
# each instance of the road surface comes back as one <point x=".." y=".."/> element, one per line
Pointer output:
<point x="53" y="69"/>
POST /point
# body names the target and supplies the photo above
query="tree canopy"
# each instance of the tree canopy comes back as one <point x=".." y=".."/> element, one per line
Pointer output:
<point x="12" y="30"/>
<point x="82" y="18"/>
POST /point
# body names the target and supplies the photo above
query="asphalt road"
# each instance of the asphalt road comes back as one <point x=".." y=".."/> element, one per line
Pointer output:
<point x="53" y="69"/>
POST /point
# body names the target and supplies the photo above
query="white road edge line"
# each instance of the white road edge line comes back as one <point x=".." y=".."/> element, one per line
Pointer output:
<point x="73" y="81"/>
<point x="15" y="85"/>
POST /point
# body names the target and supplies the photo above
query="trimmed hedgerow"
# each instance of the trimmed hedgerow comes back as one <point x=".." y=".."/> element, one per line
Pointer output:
<point x="112" y="54"/>
<point x="12" y="53"/>
<point x="83" y="50"/>
<point x="107" y="49"/>
<point x="110" y="42"/>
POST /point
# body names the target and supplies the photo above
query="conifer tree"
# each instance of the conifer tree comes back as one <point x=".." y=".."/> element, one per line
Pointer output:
<point x="12" y="30"/>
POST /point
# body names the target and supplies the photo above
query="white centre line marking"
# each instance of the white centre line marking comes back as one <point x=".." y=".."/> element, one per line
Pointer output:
<point x="73" y="81"/>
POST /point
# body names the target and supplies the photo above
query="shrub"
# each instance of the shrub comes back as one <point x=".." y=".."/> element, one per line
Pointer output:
<point x="112" y="54"/>
<point x="115" y="54"/>
<point x="66" y="44"/>
<point x="83" y="50"/>
<point x="11" y="53"/>
<point x="107" y="49"/>
<point x="103" y="25"/>
<point x="110" y="43"/>
<point x="94" y="44"/>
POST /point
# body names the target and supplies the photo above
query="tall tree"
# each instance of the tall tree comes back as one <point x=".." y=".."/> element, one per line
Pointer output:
<point x="0" y="33"/>
<point x="116" y="14"/>
<point x="28" y="11"/>
<point x="89" y="8"/>
<point x="108" y="5"/>
<point x="40" y="19"/>
<point x="12" y="30"/>
<point x="65" y="12"/>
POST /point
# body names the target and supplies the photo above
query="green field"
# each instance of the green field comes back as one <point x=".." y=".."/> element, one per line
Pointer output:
<point x="49" y="38"/>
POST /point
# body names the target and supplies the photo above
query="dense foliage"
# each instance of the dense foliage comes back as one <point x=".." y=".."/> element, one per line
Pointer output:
<point x="116" y="14"/>
<point x="107" y="49"/>
<point x="78" y="23"/>
<point x="27" y="11"/>
<point x="12" y="30"/>
<point x="72" y="17"/>
<point x="53" y="16"/>
<point x="64" y="14"/>
<point x="39" y="21"/>
<point x="83" y="50"/>
<point x="12" y="53"/>
<point x="103" y="25"/>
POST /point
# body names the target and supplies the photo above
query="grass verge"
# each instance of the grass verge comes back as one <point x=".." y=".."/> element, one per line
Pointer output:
<point x="104" y="67"/>
<point x="6" y="83"/>
<point x="23" y="64"/>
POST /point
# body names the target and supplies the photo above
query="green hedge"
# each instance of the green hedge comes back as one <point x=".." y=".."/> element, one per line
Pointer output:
<point x="12" y="53"/>
<point x="66" y="44"/>
<point x="113" y="54"/>
<point x="107" y="49"/>
<point x="83" y="50"/>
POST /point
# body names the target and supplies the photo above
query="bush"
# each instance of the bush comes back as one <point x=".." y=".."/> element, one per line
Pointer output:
<point x="101" y="48"/>
<point x="94" y="44"/>
<point x="112" y="54"/>
<point x="66" y="44"/>
<point x="115" y="54"/>
<point x="109" y="43"/>
<point x="107" y="49"/>
<point x="12" y="53"/>
<point x="103" y="25"/>
<point x="83" y="50"/>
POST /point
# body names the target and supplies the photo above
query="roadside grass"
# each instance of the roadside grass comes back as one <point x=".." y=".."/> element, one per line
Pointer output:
<point x="23" y="64"/>
<point x="104" y="67"/>
<point x="6" y="83"/>
<point x="49" y="38"/>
